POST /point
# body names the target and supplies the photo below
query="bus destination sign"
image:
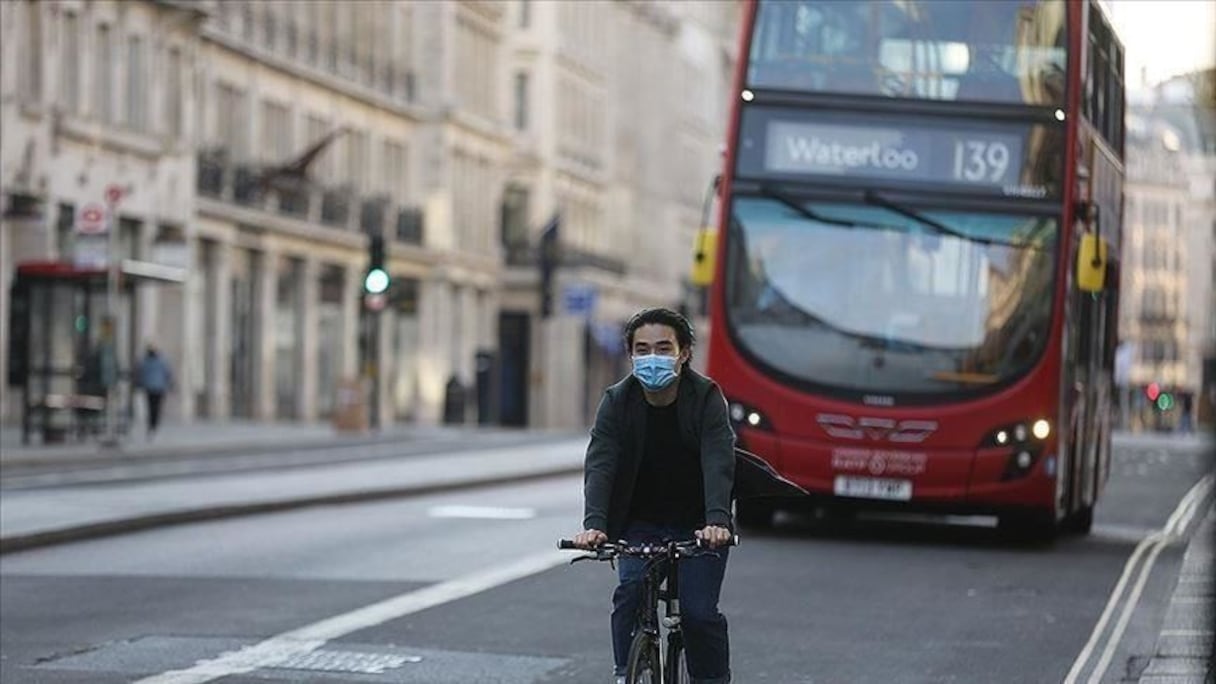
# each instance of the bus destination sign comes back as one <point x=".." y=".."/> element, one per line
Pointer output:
<point x="986" y="160"/>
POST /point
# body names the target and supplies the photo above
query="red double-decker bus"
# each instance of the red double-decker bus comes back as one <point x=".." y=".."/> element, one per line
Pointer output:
<point x="915" y="289"/>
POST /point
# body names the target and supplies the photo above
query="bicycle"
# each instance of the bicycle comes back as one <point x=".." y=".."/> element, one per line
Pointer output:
<point x="648" y="662"/>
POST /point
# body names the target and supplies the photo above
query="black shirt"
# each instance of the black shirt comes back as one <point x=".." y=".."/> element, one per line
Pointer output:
<point x="670" y="489"/>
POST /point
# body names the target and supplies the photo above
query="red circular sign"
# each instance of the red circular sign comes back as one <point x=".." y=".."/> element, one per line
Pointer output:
<point x="91" y="219"/>
<point x="114" y="193"/>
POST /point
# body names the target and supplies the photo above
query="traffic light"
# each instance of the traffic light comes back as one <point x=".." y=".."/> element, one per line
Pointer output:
<point x="1165" y="402"/>
<point x="377" y="280"/>
<point x="1153" y="391"/>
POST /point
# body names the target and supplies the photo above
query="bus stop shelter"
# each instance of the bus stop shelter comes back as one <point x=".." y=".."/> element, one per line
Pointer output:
<point x="67" y="357"/>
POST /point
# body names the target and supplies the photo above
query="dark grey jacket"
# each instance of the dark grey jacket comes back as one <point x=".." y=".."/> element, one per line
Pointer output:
<point x="618" y="441"/>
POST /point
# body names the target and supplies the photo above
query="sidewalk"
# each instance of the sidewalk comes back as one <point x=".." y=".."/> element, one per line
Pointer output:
<point x="1163" y="440"/>
<point x="40" y="517"/>
<point x="1184" y="650"/>
<point x="221" y="437"/>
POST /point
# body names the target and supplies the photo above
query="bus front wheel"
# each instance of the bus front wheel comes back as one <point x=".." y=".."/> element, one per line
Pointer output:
<point x="1080" y="522"/>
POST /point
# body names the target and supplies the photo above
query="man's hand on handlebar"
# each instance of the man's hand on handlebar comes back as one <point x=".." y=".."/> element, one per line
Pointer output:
<point x="589" y="539"/>
<point x="714" y="535"/>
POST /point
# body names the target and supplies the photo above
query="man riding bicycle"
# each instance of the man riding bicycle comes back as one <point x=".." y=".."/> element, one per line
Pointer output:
<point x="660" y="466"/>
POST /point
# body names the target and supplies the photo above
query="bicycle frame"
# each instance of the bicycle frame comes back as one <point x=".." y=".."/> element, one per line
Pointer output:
<point x="660" y="583"/>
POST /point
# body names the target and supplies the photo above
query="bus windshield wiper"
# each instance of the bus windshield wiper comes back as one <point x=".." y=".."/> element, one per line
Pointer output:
<point x="773" y="193"/>
<point x="938" y="227"/>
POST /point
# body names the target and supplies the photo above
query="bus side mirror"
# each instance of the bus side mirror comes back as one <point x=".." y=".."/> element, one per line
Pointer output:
<point x="704" y="255"/>
<point x="1091" y="263"/>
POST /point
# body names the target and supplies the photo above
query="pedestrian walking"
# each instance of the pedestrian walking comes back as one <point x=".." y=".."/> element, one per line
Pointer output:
<point x="155" y="378"/>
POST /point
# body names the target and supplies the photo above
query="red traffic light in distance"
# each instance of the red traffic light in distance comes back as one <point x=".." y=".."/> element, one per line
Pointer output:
<point x="1152" y="391"/>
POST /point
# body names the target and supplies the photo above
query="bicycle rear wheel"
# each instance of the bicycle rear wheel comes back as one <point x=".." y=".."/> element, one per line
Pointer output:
<point x="677" y="669"/>
<point x="643" y="665"/>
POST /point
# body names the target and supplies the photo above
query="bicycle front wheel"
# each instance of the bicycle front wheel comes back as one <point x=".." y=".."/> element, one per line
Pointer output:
<point x="677" y="670"/>
<point x="643" y="665"/>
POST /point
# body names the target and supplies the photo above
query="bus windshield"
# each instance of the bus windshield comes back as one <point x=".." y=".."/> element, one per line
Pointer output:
<point x="1003" y="51"/>
<point x="863" y="298"/>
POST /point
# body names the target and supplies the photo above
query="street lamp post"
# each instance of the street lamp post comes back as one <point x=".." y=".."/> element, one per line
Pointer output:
<point x="109" y="351"/>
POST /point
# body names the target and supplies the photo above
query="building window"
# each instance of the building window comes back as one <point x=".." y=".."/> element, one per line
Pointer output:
<point x="288" y="316"/>
<point x="521" y="101"/>
<point x="231" y="120"/>
<point x="137" y="86"/>
<point x="396" y="177"/>
<point x="31" y="75"/>
<point x="323" y="168"/>
<point x="103" y="68"/>
<point x="269" y="26"/>
<point x="247" y="20"/>
<point x="69" y="65"/>
<point x="356" y="159"/>
<point x="291" y="29"/>
<point x="174" y="94"/>
<point x="276" y="132"/>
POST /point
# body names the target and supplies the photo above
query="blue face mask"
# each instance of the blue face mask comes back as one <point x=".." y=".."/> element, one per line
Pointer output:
<point x="654" y="371"/>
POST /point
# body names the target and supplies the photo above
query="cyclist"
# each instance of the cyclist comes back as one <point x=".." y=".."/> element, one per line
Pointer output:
<point x="660" y="466"/>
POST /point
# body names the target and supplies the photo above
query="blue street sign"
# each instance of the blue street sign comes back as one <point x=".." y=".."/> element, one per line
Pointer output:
<point x="579" y="299"/>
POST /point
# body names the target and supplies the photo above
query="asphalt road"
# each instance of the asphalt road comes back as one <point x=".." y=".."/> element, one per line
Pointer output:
<point x="465" y="587"/>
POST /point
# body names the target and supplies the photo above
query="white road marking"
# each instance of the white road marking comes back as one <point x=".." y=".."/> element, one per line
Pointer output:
<point x="1154" y="544"/>
<point x="482" y="512"/>
<point x="309" y="638"/>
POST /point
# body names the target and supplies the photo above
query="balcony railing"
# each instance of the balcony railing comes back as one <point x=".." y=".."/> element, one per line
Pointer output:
<point x="247" y="186"/>
<point x="298" y="198"/>
<point x="335" y="206"/>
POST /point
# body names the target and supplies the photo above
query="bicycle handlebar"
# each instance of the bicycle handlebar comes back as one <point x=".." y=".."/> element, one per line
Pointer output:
<point x="645" y="548"/>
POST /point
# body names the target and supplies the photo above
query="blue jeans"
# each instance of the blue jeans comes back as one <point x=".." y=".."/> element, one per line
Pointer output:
<point x="707" y="647"/>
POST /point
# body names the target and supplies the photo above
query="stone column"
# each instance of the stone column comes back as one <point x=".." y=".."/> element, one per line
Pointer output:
<point x="350" y="324"/>
<point x="385" y="368"/>
<point x="219" y="347"/>
<point x="470" y="337"/>
<point x="264" y="345"/>
<point x="433" y="327"/>
<point x="306" y="395"/>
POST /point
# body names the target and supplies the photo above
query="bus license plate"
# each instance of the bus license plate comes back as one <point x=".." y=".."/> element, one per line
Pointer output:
<point x="874" y="488"/>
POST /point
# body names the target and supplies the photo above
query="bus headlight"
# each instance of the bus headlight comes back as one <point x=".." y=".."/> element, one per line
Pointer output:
<point x="1018" y="434"/>
<point x="743" y="415"/>
<point x="1020" y="463"/>
<point x="737" y="412"/>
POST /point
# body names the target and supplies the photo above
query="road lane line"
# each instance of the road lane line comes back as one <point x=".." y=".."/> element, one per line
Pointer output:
<point x="1129" y="607"/>
<point x="1079" y="664"/>
<point x="482" y="512"/>
<point x="1175" y="525"/>
<point x="304" y="640"/>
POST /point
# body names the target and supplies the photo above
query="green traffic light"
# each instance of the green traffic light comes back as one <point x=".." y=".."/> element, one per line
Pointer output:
<point x="82" y="324"/>
<point x="1165" y="402"/>
<point x="376" y="281"/>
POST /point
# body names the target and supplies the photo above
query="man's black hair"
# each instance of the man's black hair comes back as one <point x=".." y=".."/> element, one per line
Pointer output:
<point x="685" y="336"/>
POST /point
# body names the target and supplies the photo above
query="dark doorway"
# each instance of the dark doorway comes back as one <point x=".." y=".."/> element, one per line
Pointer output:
<point x="513" y="334"/>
